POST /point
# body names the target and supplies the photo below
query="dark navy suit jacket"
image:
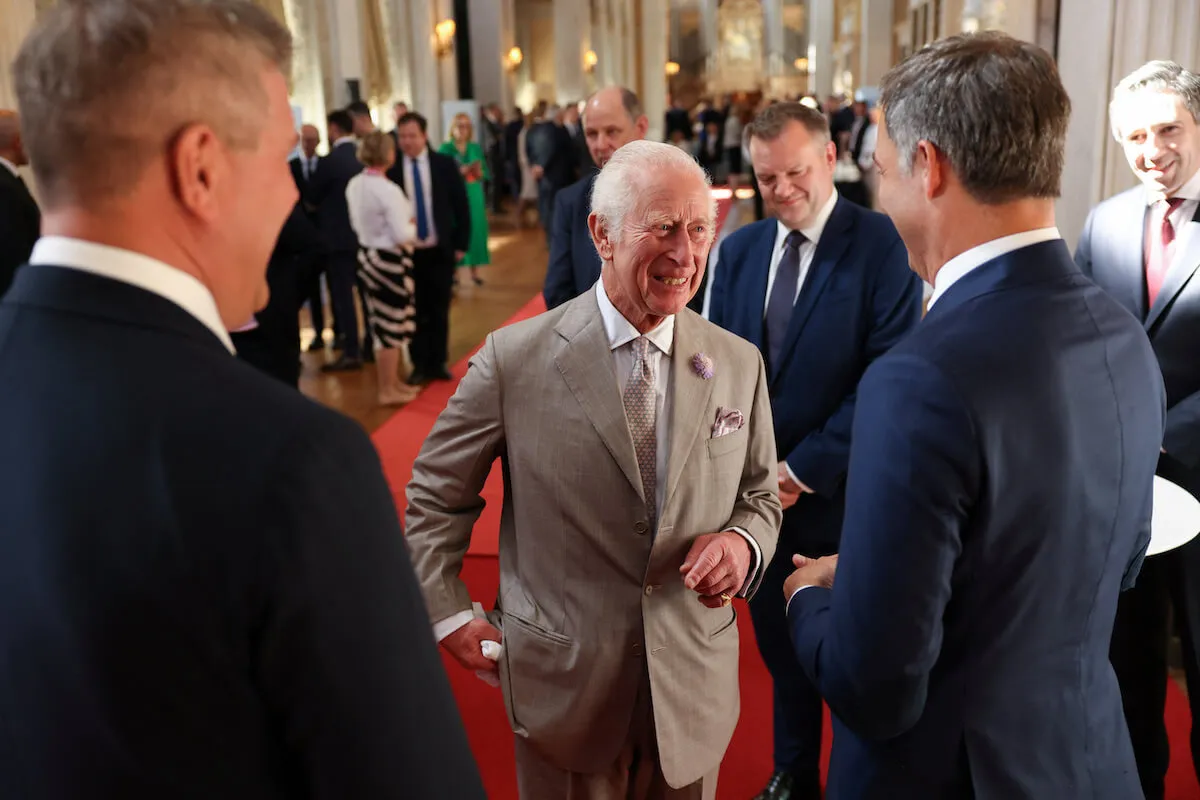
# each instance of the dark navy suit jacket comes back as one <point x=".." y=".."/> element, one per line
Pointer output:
<point x="858" y="300"/>
<point x="204" y="587"/>
<point x="998" y="501"/>
<point x="574" y="263"/>
<point x="1110" y="253"/>
<point x="327" y="193"/>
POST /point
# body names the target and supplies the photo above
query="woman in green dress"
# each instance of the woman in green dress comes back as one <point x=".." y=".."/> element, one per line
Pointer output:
<point x="463" y="148"/>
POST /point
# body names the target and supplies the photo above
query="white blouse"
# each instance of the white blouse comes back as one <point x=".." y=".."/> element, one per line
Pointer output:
<point x="380" y="212"/>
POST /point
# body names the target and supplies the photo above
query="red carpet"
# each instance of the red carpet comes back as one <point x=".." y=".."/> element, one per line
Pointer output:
<point x="748" y="761"/>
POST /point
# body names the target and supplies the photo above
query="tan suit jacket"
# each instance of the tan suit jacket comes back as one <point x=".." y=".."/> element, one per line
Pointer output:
<point x="590" y="598"/>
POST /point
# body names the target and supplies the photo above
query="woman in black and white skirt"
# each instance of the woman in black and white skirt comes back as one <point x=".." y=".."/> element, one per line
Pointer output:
<point x="383" y="219"/>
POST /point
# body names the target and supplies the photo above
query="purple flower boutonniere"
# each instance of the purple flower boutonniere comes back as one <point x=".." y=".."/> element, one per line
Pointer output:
<point x="703" y="365"/>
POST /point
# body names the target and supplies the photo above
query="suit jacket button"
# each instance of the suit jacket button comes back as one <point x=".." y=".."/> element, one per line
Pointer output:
<point x="637" y="649"/>
<point x="640" y="528"/>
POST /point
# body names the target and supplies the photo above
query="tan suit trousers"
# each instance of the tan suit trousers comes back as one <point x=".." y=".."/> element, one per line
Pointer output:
<point x="635" y="775"/>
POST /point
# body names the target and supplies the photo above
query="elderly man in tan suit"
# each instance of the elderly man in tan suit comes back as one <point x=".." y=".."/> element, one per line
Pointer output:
<point x="640" y="497"/>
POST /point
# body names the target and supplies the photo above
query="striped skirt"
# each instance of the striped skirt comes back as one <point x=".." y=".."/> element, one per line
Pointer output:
<point x="387" y="276"/>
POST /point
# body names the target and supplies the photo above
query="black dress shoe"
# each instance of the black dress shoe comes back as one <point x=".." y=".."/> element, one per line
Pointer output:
<point x="343" y="364"/>
<point x="778" y="788"/>
<point x="417" y="378"/>
<point x="441" y="374"/>
<point x="316" y="345"/>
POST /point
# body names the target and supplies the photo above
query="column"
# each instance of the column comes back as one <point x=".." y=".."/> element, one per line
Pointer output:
<point x="773" y="37"/>
<point x="491" y="39"/>
<point x="345" y="40"/>
<point x="619" y="44"/>
<point x="308" y="81"/>
<point x="875" y="47"/>
<point x="424" y="65"/>
<point x="653" y="25"/>
<point x="19" y="16"/>
<point x="820" y="47"/>
<point x="708" y="35"/>
<point x="1095" y="167"/>
<point x="447" y="65"/>
<point x="952" y="17"/>
<point x="629" y="12"/>
<point x="395" y="16"/>
<point x="571" y="21"/>
<point x="603" y="44"/>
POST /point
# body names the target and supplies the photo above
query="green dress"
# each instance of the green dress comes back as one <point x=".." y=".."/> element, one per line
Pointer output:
<point x="477" y="251"/>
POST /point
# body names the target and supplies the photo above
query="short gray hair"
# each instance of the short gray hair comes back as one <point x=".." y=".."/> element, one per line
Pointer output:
<point x="628" y="172"/>
<point x="992" y="105"/>
<point x="1156" y="76"/>
<point x="103" y="87"/>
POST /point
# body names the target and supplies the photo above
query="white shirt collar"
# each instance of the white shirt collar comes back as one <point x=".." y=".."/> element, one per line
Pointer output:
<point x="621" y="332"/>
<point x="423" y="155"/>
<point x="956" y="268"/>
<point x="1189" y="191"/>
<point x="344" y="140"/>
<point x="812" y="232"/>
<point x="11" y="166"/>
<point x="138" y="270"/>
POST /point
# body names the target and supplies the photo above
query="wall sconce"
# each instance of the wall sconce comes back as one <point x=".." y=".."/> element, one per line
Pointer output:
<point x="801" y="65"/>
<point x="672" y="69"/>
<point x="589" y="61"/>
<point x="514" y="59"/>
<point x="444" y="31"/>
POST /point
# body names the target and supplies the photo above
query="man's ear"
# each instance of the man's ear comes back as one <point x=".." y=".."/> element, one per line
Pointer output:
<point x="600" y="237"/>
<point x="933" y="169"/>
<point x="194" y="166"/>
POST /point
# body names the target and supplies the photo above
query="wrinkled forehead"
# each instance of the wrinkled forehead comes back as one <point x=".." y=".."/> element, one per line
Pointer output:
<point x="673" y="196"/>
<point x="1148" y="109"/>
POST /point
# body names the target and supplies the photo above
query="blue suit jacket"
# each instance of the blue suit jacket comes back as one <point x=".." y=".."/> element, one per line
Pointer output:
<point x="859" y="299"/>
<point x="574" y="263"/>
<point x="998" y="501"/>
<point x="166" y="572"/>
<point x="1110" y="253"/>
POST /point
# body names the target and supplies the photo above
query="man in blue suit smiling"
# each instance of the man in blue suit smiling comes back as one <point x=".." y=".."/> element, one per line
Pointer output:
<point x="1001" y="468"/>
<point x="823" y="291"/>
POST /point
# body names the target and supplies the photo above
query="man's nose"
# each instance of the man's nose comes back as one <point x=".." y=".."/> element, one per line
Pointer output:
<point x="681" y="247"/>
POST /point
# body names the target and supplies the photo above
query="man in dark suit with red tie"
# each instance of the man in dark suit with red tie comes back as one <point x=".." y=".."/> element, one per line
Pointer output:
<point x="20" y="219"/>
<point x="1143" y="247"/>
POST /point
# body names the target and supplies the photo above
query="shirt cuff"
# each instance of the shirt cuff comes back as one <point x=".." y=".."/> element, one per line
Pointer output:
<point x="793" y="597"/>
<point x="752" y="573"/>
<point x="447" y="626"/>
<point x="803" y="487"/>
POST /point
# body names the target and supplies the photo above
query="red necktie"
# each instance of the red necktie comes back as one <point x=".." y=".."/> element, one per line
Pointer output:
<point x="1160" y="247"/>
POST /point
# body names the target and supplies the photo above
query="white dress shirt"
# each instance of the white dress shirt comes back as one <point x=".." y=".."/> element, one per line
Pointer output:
<point x="308" y="165"/>
<point x="620" y="335"/>
<point x="11" y="167"/>
<point x="1180" y="217"/>
<point x="379" y="212"/>
<point x="426" y="191"/>
<point x="807" y="250"/>
<point x="956" y="268"/>
<point x="137" y="270"/>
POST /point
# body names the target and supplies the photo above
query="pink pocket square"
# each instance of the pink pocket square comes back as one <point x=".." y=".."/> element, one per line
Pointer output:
<point x="728" y="421"/>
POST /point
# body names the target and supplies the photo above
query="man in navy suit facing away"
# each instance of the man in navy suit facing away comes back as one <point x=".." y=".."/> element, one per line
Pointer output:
<point x="823" y="291"/>
<point x="204" y="589"/>
<point x="1001" y="468"/>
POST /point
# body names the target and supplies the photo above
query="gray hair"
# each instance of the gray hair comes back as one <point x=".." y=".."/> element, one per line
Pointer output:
<point x="992" y="105"/>
<point x="632" y="169"/>
<point x="1156" y="76"/>
<point x="770" y="122"/>
<point x="103" y="87"/>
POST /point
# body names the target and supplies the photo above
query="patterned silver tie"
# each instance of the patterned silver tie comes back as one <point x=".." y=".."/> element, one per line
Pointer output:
<point x="640" y="410"/>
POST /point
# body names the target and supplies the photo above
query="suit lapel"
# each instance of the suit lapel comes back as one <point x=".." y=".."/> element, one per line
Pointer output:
<point x="690" y="395"/>
<point x="1187" y="259"/>
<point x="833" y="243"/>
<point x="755" y="269"/>
<point x="1131" y="266"/>
<point x="586" y="364"/>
